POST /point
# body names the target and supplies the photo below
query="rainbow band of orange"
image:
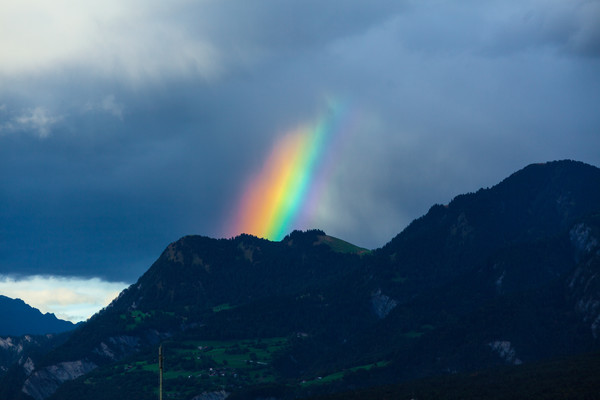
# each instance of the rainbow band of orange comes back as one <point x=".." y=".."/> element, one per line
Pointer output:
<point x="274" y="199"/>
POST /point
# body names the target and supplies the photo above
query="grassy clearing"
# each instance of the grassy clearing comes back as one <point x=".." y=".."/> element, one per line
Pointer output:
<point x="235" y="353"/>
<point x="196" y="366"/>
<point x="134" y="318"/>
<point x="341" y="246"/>
<point x="417" y="334"/>
<point x="222" y="307"/>
<point x="222" y="358"/>
<point x="211" y="364"/>
<point x="340" y="374"/>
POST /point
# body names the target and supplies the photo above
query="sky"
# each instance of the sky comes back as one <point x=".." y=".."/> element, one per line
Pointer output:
<point x="125" y="125"/>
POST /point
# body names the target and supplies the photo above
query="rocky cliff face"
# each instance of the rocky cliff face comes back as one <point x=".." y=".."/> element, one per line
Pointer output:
<point x="11" y="349"/>
<point x="221" y="395"/>
<point x="44" y="382"/>
<point x="382" y="304"/>
<point x="16" y="349"/>
<point x="584" y="284"/>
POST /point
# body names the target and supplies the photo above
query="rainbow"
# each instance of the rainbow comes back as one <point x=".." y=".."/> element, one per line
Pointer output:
<point x="286" y="190"/>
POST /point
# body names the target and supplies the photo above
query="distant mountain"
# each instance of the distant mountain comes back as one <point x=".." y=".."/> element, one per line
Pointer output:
<point x="19" y="318"/>
<point x="503" y="276"/>
<point x="26" y="333"/>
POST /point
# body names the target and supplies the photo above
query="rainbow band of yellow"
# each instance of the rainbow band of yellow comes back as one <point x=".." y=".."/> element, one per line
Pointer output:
<point x="276" y="198"/>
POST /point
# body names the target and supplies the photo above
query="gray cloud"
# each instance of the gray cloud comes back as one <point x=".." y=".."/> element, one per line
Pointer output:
<point x="107" y="104"/>
<point x="37" y="121"/>
<point x="126" y="126"/>
<point x="69" y="298"/>
<point x="571" y="28"/>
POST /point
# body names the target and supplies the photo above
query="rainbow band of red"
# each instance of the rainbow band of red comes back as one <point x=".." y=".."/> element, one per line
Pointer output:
<point x="275" y="200"/>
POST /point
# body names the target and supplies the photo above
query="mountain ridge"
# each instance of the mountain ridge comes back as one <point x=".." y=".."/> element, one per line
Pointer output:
<point x="499" y="276"/>
<point x="19" y="318"/>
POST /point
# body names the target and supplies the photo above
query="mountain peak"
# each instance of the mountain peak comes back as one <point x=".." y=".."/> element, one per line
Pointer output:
<point x="19" y="318"/>
<point x="563" y="172"/>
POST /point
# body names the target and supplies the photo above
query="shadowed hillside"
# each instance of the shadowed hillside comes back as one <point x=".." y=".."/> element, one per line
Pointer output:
<point x="503" y="276"/>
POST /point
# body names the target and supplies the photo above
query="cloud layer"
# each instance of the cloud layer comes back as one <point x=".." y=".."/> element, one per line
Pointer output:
<point x="125" y="125"/>
<point x="70" y="298"/>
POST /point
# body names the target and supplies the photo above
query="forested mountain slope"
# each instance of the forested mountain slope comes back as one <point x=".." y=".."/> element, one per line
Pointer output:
<point x="506" y="275"/>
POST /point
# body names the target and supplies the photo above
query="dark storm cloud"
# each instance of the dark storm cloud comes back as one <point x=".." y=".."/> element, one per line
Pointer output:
<point x="146" y="125"/>
<point x="572" y="28"/>
<point x="271" y="25"/>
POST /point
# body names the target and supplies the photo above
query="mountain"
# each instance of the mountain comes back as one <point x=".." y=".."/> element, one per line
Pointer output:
<point x="503" y="276"/>
<point x="25" y="332"/>
<point x="19" y="318"/>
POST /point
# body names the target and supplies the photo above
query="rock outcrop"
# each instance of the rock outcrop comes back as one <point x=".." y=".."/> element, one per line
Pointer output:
<point x="584" y="285"/>
<point x="43" y="383"/>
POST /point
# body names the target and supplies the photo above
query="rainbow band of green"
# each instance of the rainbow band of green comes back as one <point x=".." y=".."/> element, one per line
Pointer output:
<point x="276" y="201"/>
